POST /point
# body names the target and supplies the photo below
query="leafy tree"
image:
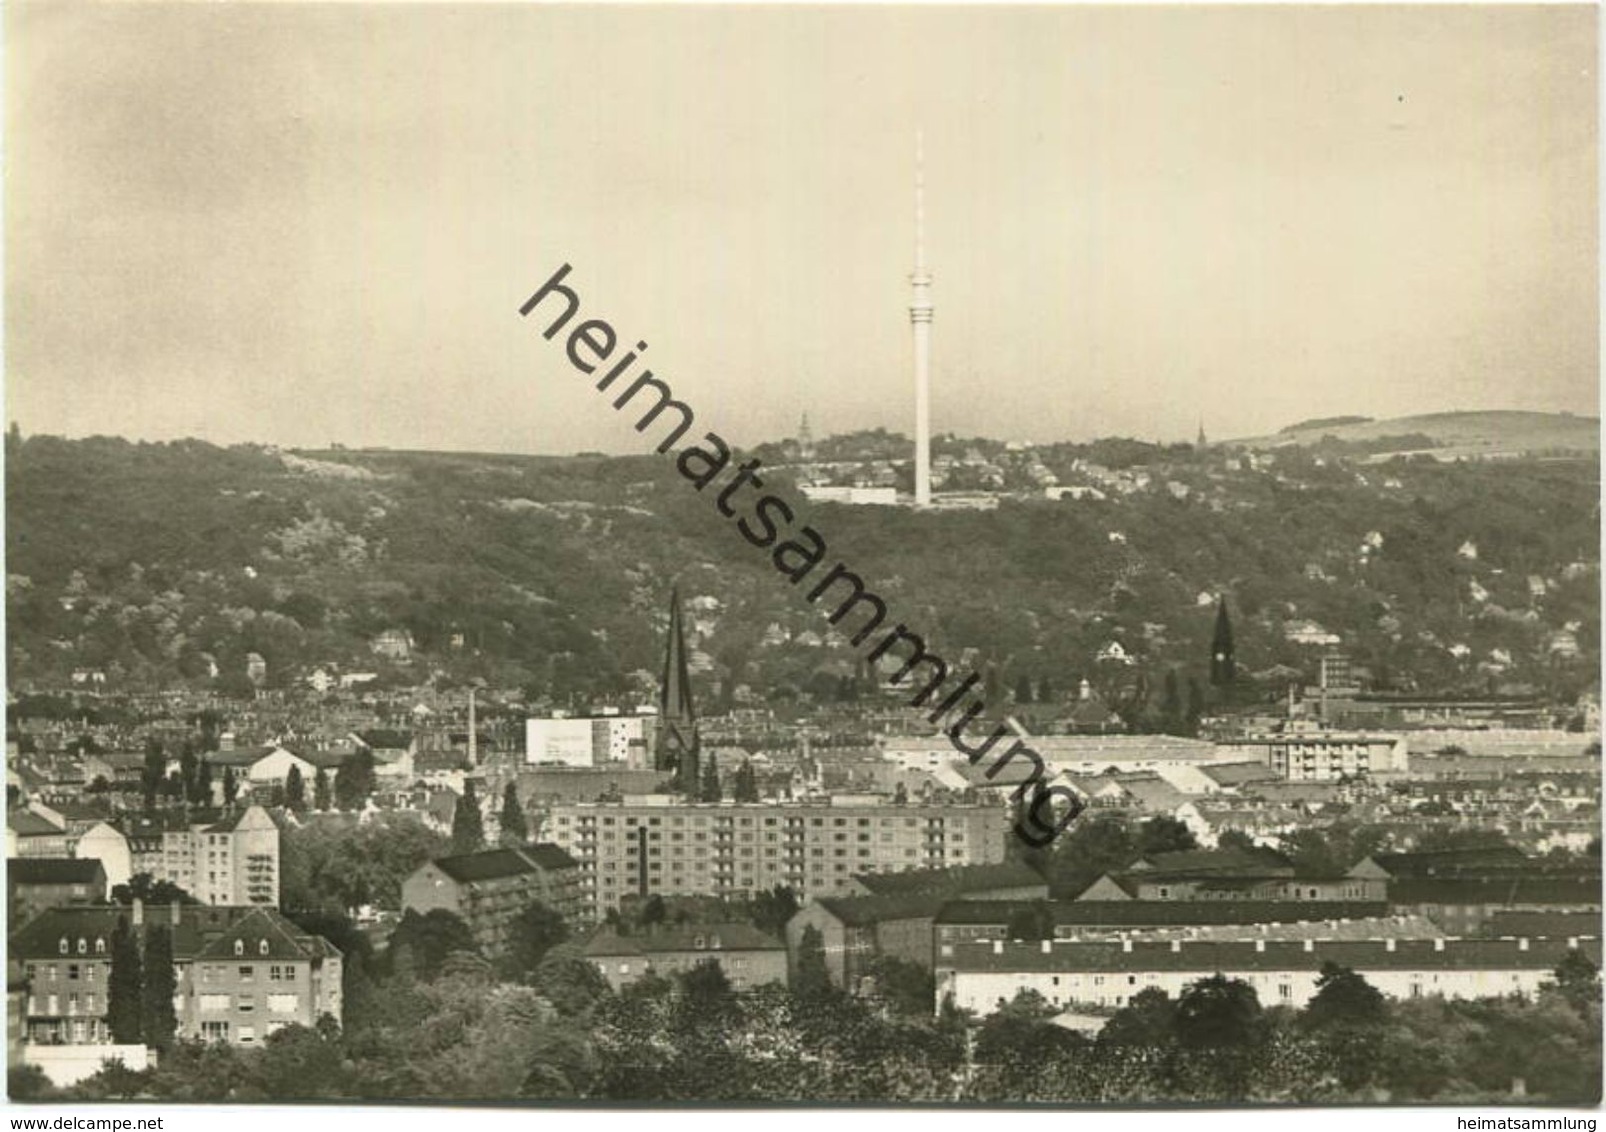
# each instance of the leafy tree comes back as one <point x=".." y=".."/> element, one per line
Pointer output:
<point x="772" y="909"/>
<point x="1577" y="981"/>
<point x="1235" y="839"/>
<point x="900" y="795"/>
<point x="569" y="981"/>
<point x="1164" y="834"/>
<point x="295" y="790"/>
<point x="468" y="827"/>
<point x="534" y="931"/>
<point x="515" y="831"/>
<point x="1148" y="1020"/>
<point x="320" y="790"/>
<point x="145" y="888"/>
<point x="1046" y="692"/>
<point x="1020" y="1034"/>
<point x="158" y="1020"/>
<point x="708" y="996"/>
<point x="124" y="987"/>
<point x="905" y="986"/>
<point x="354" y="780"/>
<point x="710" y="789"/>
<point x="420" y="944"/>
<point x="812" y="978"/>
<point x="26" y="1083"/>
<point x="1023" y="689"/>
<point x="1344" y="999"/>
<point x="653" y="911"/>
<point x="1218" y="1013"/>
<point x="1087" y="850"/>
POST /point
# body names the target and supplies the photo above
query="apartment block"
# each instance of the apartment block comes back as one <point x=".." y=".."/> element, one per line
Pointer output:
<point x="232" y="861"/>
<point x="669" y="847"/>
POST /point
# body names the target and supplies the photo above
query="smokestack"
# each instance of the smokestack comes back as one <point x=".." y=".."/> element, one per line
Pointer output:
<point x="473" y="734"/>
<point x="920" y="311"/>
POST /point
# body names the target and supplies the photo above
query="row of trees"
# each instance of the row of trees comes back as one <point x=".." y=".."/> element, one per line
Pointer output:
<point x="140" y="987"/>
<point x="436" y="1019"/>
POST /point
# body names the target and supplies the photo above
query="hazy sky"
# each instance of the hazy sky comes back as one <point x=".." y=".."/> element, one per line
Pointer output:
<point x="314" y="224"/>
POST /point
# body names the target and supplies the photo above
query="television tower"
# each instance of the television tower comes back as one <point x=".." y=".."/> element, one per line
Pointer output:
<point x="920" y="320"/>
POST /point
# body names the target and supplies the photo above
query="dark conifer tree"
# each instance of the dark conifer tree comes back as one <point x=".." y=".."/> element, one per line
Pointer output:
<point x="1223" y="664"/>
<point x="125" y="987"/>
<point x="202" y="795"/>
<point x="320" y="790"/>
<point x="295" y="790"/>
<point x="468" y="827"/>
<point x="515" y="829"/>
<point x="712" y="790"/>
<point x="158" y="1021"/>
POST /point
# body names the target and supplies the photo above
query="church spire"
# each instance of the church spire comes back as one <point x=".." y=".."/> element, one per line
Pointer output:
<point x="677" y="746"/>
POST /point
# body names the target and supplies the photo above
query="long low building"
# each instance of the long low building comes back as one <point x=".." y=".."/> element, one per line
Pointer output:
<point x="981" y="975"/>
<point x="1068" y="754"/>
<point x="747" y="956"/>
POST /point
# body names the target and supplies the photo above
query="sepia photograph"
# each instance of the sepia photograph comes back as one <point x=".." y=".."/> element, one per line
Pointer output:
<point x="932" y="557"/>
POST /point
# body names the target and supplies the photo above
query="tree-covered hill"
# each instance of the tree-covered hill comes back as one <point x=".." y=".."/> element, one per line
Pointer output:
<point x="158" y="562"/>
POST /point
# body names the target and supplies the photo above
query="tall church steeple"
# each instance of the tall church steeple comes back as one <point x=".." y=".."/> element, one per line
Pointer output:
<point x="677" y="746"/>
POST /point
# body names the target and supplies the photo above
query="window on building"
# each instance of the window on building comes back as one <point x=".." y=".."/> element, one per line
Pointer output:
<point x="83" y="946"/>
<point x="100" y="945"/>
<point x="247" y="974"/>
<point x="72" y="972"/>
<point x="64" y="948"/>
<point x="239" y="947"/>
<point x="247" y="1004"/>
<point x="262" y="947"/>
<point x="248" y="1034"/>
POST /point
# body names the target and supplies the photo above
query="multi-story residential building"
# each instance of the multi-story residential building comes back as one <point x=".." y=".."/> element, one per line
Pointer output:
<point x="488" y="890"/>
<point x="241" y="973"/>
<point x="32" y="835"/>
<point x="982" y="974"/>
<point x="36" y="883"/>
<point x="747" y="956"/>
<point x="669" y="847"/>
<point x="231" y="861"/>
<point x="1325" y="756"/>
